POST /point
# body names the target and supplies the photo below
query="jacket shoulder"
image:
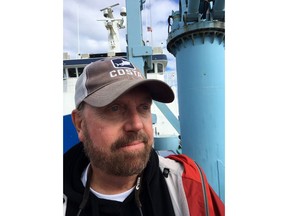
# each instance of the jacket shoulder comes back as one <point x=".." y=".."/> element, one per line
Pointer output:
<point x="188" y="185"/>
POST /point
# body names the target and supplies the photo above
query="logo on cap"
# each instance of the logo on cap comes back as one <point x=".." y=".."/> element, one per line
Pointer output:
<point x="122" y="63"/>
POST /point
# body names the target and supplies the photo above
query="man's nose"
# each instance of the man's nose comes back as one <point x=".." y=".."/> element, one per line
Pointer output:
<point x="134" y="122"/>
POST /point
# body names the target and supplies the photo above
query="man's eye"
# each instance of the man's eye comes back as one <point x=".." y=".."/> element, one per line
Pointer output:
<point x="145" y="107"/>
<point x="115" y="108"/>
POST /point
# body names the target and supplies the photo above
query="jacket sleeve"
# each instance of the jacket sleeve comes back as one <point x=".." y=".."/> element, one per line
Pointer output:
<point x="218" y="205"/>
<point x="201" y="199"/>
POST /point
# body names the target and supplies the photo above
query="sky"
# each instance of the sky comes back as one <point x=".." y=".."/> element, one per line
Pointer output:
<point x="83" y="33"/>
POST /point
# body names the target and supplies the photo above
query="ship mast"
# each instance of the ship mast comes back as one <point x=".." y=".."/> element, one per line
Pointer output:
<point x="113" y="25"/>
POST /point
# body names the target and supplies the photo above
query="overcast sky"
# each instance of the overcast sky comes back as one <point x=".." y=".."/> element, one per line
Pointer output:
<point x="93" y="35"/>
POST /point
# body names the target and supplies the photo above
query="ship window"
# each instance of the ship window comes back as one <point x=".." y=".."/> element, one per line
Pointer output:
<point x="151" y="70"/>
<point x="64" y="74"/>
<point x="72" y="72"/>
<point x="80" y="71"/>
<point x="160" y="68"/>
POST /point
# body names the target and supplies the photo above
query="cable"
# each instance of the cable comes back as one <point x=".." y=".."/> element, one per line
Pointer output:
<point x="137" y="194"/>
<point x="86" y="192"/>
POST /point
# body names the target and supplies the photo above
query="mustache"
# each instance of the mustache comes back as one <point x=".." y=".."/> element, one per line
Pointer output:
<point x="124" y="140"/>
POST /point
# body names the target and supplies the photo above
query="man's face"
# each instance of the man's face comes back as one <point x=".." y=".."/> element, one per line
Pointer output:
<point x="118" y="137"/>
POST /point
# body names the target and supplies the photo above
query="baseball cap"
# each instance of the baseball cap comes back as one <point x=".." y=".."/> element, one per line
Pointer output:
<point x="105" y="80"/>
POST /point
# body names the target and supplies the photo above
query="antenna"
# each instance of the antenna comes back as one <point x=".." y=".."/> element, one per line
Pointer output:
<point x="108" y="12"/>
<point x="78" y="34"/>
<point x="113" y="25"/>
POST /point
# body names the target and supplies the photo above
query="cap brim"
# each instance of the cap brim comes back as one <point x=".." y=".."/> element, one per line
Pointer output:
<point x="158" y="89"/>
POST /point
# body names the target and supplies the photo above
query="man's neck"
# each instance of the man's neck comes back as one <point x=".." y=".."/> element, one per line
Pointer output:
<point x="110" y="184"/>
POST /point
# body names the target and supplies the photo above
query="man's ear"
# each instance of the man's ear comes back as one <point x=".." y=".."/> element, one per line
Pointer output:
<point x="77" y="121"/>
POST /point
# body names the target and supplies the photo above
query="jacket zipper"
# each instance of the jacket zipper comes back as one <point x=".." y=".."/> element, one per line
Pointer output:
<point x="204" y="190"/>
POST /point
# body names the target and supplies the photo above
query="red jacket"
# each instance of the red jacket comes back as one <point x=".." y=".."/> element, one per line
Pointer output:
<point x="189" y="196"/>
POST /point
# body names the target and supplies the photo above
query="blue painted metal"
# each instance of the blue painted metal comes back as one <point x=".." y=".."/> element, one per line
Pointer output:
<point x="166" y="143"/>
<point x="198" y="46"/>
<point x="169" y="115"/>
<point x="70" y="136"/>
<point x="137" y="52"/>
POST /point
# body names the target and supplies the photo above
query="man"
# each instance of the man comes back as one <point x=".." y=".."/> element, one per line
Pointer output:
<point x="114" y="169"/>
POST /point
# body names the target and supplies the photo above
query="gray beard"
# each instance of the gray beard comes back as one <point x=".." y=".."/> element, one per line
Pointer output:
<point x="115" y="162"/>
